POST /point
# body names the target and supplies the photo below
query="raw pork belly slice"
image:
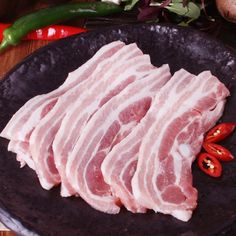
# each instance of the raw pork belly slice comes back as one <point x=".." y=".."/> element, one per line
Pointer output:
<point x="120" y="164"/>
<point x="22" y="153"/>
<point x="24" y="120"/>
<point x="102" y="91"/>
<point x="41" y="139"/>
<point x="108" y="126"/>
<point x="163" y="179"/>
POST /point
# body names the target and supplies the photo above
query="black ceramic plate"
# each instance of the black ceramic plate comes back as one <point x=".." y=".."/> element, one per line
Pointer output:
<point x="28" y="209"/>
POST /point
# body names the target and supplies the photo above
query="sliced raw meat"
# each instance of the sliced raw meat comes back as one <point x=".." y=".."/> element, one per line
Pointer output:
<point x="163" y="178"/>
<point x="22" y="153"/>
<point x="22" y="123"/>
<point x="108" y="126"/>
<point x="72" y="124"/>
<point x="136" y="66"/>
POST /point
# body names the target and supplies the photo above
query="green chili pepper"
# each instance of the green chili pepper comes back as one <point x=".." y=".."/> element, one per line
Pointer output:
<point x="53" y="15"/>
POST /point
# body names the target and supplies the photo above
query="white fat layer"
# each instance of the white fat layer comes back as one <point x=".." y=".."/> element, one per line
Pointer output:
<point x="45" y="183"/>
<point x="13" y="146"/>
<point x="211" y="118"/>
<point x="177" y="166"/>
<point x="182" y="215"/>
<point x="124" y="170"/>
<point x="185" y="150"/>
<point x="28" y="160"/>
<point x="64" y="191"/>
<point x="137" y="190"/>
<point x="22" y="156"/>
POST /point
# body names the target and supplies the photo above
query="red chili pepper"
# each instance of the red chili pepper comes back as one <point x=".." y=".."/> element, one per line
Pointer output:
<point x="220" y="132"/>
<point x="218" y="151"/>
<point x="55" y="32"/>
<point x="3" y="26"/>
<point x="209" y="164"/>
<point x="48" y="33"/>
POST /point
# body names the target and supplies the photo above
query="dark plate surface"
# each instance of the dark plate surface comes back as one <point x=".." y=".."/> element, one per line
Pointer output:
<point x="28" y="209"/>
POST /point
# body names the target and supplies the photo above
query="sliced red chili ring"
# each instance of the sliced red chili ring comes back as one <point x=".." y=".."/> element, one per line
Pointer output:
<point x="218" y="151"/>
<point x="220" y="132"/>
<point x="209" y="164"/>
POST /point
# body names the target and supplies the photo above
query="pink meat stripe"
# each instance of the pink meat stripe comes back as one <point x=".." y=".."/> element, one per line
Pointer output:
<point x="163" y="178"/>
<point x="108" y="126"/>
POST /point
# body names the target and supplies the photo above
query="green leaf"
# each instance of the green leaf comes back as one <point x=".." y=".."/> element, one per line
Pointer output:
<point x="130" y="4"/>
<point x="191" y="10"/>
